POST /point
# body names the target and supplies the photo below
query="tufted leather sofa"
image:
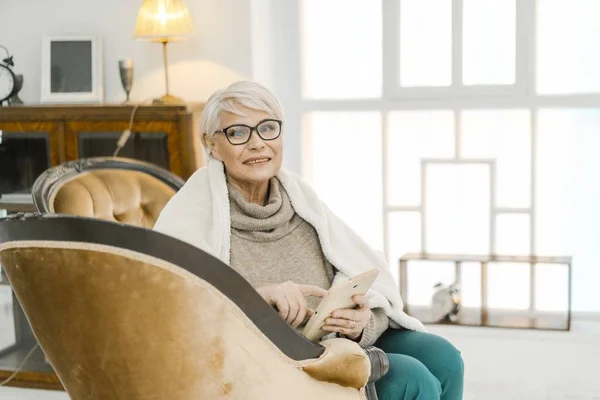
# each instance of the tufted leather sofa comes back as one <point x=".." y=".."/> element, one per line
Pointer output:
<point x="112" y="189"/>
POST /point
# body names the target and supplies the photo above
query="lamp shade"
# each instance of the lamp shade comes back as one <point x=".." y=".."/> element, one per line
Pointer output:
<point x="163" y="21"/>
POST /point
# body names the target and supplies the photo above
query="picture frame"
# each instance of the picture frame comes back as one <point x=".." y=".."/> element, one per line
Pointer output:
<point x="71" y="69"/>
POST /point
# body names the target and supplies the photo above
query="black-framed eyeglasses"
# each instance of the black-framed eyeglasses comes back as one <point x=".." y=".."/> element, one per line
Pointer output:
<point x="267" y="129"/>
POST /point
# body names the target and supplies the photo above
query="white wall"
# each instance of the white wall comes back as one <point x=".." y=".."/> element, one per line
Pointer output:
<point x="233" y="40"/>
<point x="217" y="54"/>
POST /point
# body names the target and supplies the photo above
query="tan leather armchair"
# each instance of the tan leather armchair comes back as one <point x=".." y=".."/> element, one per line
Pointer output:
<point x="128" y="313"/>
<point x="113" y="189"/>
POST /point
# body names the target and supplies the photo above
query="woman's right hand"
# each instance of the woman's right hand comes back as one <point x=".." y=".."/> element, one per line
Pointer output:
<point x="290" y="300"/>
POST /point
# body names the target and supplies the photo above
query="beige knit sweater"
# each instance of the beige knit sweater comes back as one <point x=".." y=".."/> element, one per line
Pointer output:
<point x="271" y="244"/>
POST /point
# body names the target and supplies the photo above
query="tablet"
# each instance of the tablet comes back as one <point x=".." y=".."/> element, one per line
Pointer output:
<point x="339" y="296"/>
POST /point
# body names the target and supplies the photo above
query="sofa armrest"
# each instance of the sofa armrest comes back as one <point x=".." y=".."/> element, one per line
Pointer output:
<point x="380" y="364"/>
<point x="343" y="362"/>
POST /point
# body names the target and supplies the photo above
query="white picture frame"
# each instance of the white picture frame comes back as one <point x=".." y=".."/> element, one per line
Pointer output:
<point x="71" y="69"/>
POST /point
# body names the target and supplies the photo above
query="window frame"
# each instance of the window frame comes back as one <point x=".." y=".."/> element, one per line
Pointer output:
<point x="288" y="80"/>
<point x="392" y="88"/>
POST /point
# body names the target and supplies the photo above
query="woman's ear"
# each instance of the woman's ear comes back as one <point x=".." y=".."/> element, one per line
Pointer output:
<point x="214" y="151"/>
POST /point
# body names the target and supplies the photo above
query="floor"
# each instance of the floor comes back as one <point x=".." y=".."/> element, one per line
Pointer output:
<point x="505" y="364"/>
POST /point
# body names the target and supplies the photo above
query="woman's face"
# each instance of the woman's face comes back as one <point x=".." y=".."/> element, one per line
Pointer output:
<point x="254" y="162"/>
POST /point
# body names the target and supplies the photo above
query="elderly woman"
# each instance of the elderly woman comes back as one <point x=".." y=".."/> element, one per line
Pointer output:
<point x="271" y="227"/>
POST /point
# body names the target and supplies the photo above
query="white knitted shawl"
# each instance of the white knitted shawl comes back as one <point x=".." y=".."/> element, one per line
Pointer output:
<point x="199" y="214"/>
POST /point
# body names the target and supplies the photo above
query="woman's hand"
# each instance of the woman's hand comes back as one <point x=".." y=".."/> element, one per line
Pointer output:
<point x="290" y="300"/>
<point x="350" y="321"/>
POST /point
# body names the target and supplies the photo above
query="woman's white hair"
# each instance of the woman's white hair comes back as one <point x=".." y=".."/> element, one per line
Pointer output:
<point x="244" y="93"/>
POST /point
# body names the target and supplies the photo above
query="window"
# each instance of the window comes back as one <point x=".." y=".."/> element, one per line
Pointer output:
<point x="489" y="42"/>
<point x="455" y="126"/>
<point x="567" y="56"/>
<point x="425" y="43"/>
<point x="336" y="53"/>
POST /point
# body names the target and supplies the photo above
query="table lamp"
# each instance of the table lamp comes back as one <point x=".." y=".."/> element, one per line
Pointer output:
<point x="163" y="21"/>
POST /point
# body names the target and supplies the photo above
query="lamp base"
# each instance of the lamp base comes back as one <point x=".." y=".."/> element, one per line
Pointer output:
<point x="168" y="99"/>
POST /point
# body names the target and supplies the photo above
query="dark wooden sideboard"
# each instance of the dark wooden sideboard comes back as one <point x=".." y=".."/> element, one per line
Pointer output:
<point x="78" y="131"/>
<point x="33" y="138"/>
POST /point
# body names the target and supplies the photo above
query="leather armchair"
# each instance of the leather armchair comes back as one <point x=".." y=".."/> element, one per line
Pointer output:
<point x="113" y="189"/>
<point x="123" y="312"/>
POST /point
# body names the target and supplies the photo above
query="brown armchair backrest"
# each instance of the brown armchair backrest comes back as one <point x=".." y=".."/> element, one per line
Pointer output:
<point x="127" y="313"/>
<point x="112" y="189"/>
<point x="131" y="197"/>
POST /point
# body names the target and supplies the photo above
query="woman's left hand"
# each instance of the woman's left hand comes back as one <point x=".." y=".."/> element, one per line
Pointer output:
<point x="350" y="321"/>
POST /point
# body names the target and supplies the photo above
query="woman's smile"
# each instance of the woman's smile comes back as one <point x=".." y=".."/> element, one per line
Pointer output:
<point x="257" y="161"/>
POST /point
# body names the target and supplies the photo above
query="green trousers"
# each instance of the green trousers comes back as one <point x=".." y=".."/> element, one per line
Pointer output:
<point x="422" y="367"/>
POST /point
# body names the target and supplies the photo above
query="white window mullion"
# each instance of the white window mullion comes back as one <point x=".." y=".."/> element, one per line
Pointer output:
<point x="526" y="50"/>
<point x="465" y="102"/>
<point x="384" y="178"/>
<point x="532" y="207"/>
<point x="457" y="44"/>
<point x="526" y="79"/>
<point x="457" y="133"/>
<point x="391" y="47"/>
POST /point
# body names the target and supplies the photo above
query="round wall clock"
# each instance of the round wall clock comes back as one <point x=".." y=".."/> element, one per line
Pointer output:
<point x="8" y="80"/>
